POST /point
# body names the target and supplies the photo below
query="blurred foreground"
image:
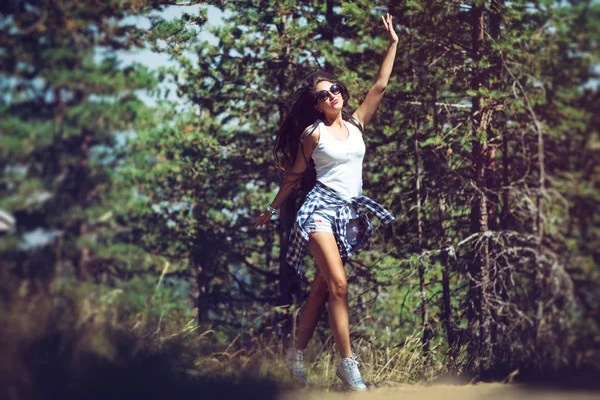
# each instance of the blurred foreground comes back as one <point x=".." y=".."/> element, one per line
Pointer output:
<point x="496" y="391"/>
<point x="66" y="348"/>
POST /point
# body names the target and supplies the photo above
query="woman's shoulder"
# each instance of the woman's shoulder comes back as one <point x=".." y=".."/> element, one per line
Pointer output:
<point x="314" y="126"/>
<point x="354" y="123"/>
<point x="312" y="131"/>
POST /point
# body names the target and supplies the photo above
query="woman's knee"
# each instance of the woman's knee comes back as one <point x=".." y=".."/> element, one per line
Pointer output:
<point x="320" y="287"/>
<point x="338" y="288"/>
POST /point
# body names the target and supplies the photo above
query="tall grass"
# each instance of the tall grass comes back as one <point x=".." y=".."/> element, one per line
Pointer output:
<point x="379" y="360"/>
<point x="76" y="345"/>
<point x="69" y="342"/>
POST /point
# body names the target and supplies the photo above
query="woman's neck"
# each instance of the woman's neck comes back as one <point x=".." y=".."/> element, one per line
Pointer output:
<point x="335" y="120"/>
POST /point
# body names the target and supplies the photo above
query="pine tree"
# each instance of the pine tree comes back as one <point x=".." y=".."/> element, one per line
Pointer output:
<point x="67" y="107"/>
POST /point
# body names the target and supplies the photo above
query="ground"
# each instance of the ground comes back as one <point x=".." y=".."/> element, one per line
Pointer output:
<point x="493" y="391"/>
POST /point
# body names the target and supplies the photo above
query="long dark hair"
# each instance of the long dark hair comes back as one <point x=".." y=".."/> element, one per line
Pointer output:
<point x="301" y="116"/>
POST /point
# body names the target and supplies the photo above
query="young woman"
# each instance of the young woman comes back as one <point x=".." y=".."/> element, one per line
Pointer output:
<point x="331" y="222"/>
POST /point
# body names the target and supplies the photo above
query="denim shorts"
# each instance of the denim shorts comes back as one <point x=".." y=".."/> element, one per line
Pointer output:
<point x="323" y="222"/>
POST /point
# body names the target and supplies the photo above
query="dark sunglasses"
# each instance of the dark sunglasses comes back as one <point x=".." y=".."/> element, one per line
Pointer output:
<point x="324" y="94"/>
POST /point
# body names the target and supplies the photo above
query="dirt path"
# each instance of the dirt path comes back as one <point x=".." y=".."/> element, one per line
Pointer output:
<point x="492" y="391"/>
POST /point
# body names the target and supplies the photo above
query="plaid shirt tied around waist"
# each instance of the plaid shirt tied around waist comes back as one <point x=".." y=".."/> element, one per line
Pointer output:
<point x="322" y="196"/>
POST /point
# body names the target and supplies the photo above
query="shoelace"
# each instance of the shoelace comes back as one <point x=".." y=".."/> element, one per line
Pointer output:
<point x="351" y="365"/>
<point x="354" y="358"/>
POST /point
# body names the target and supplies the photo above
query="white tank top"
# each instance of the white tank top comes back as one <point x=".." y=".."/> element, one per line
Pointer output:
<point x="339" y="162"/>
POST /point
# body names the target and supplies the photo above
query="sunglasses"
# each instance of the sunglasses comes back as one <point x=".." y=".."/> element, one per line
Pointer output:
<point x="324" y="94"/>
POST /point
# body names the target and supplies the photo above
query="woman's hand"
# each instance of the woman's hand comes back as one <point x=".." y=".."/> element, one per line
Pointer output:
<point x="389" y="28"/>
<point x="263" y="219"/>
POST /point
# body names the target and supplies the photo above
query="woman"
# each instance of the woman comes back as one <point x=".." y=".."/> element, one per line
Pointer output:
<point x="331" y="222"/>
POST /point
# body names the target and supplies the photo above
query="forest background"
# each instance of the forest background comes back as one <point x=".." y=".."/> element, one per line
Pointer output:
<point x="129" y="193"/>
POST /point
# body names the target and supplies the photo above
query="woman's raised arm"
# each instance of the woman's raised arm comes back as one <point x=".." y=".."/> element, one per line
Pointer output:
<point x="365" y="112"/>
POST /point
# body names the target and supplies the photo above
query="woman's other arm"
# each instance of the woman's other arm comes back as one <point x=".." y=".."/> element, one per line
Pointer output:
<point x="365" y="112"/>
<point x="291" y="177"/>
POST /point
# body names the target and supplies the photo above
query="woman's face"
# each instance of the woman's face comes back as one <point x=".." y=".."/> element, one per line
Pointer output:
<point x="328" y="97"/>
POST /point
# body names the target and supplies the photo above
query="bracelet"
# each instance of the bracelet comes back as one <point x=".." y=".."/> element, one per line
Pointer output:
<point x="272" y="210"/>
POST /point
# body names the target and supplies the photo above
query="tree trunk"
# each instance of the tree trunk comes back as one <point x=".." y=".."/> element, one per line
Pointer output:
<point x="328" y="30"/>
<point x="494" y="181"/>
<point x="539" y="196"/>
<point x="287" y="284"/>
<point x="479" y="285"/>
<point x="81" y="177"/>
<point x="498" y="124"/>
<point x="288" y="209"/>
<point x="438" y="169"/>
<point x="492" y="184"/>
<point x="505" y="212"/>
<point x="446" y="305"/>
<point x="423" y="294"/>
<point x="497" y="69"/>
<point x="201" y="294"/>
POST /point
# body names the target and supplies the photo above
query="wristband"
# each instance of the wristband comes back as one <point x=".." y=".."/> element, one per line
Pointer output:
<point x="272" y="210"/>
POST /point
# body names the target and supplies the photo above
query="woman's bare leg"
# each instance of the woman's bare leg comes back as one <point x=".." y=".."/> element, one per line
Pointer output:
<point x="312" y="310"/>
<point x="324" y="249"/>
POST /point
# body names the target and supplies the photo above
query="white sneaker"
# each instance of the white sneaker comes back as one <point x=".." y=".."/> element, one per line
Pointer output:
<point x="295" y="362"/>
<point x="348" y="372"/>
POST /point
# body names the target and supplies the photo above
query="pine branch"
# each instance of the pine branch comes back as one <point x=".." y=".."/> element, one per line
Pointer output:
<point x="263" y="272"/>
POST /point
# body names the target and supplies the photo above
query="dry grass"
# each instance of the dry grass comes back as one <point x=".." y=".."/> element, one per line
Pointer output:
<point x="263" y="356"/>
<point x="52" y="344"/>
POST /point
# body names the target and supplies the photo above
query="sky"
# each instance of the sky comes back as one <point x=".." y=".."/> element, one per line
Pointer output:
<point x="157" y="60"/>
